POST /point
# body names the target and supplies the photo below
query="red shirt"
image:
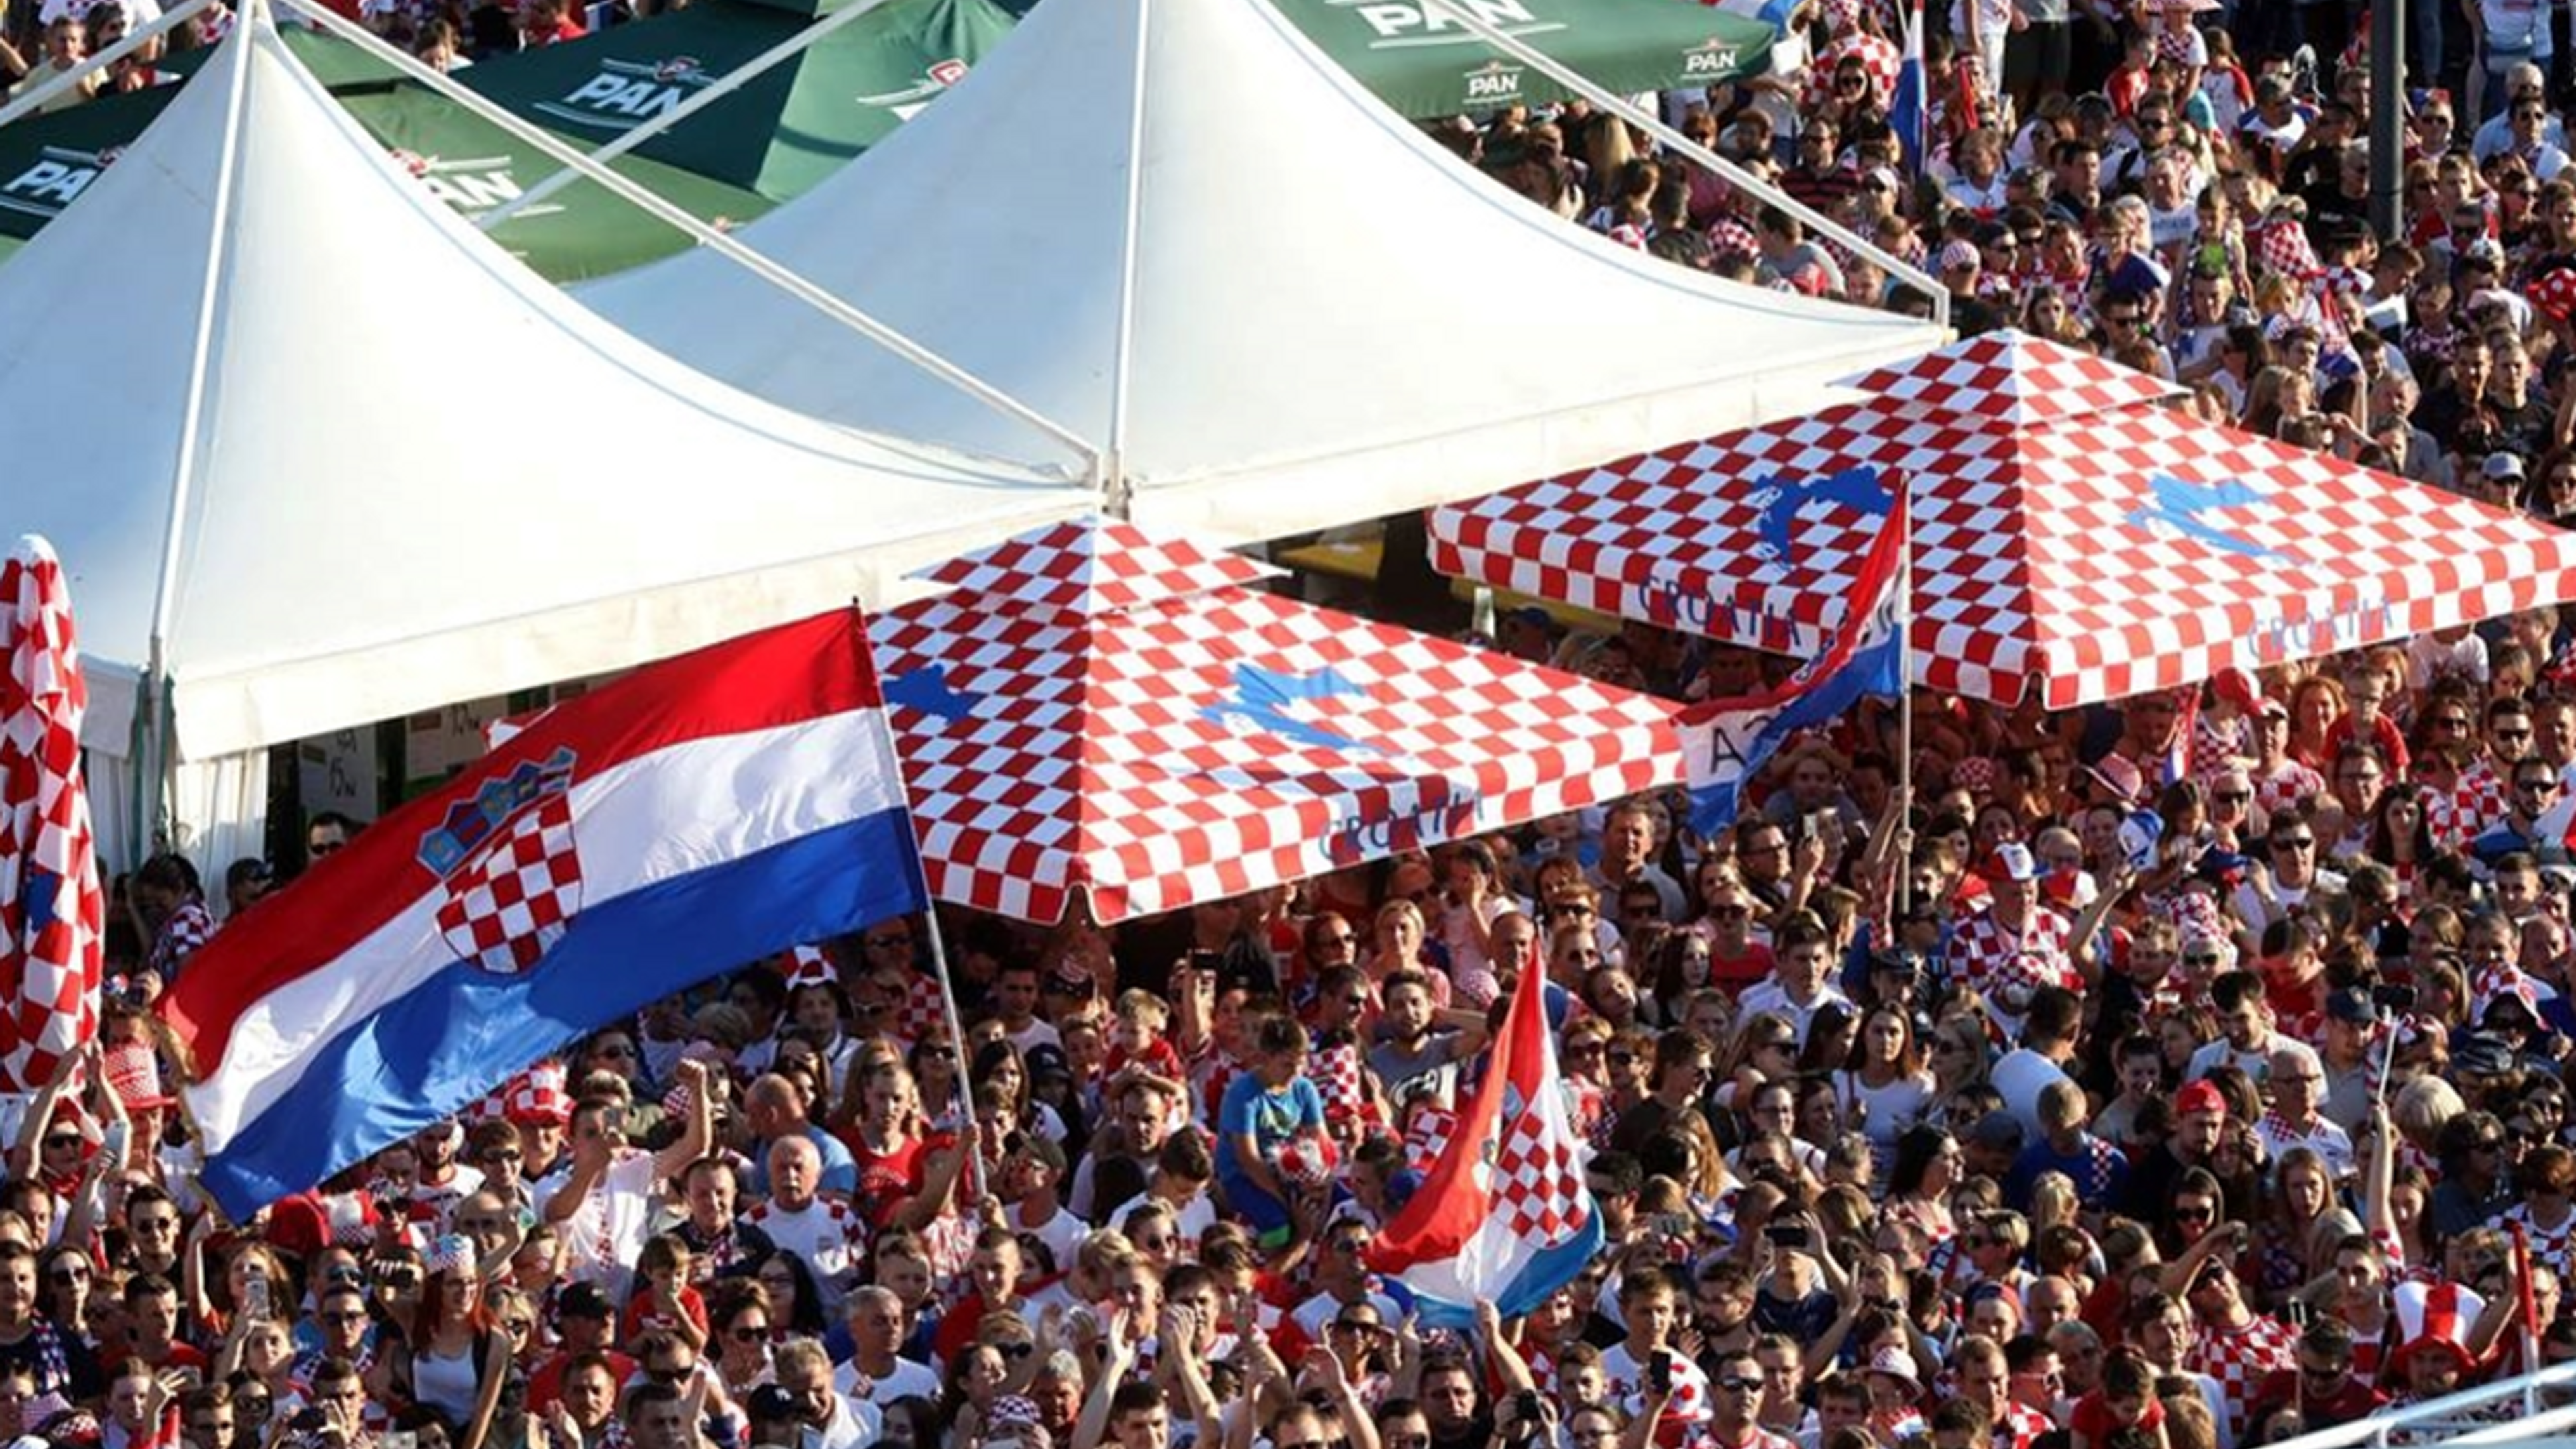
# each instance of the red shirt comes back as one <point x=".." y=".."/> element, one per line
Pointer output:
<point x="545" y="1386"/>
<point x="887" y="1180"/>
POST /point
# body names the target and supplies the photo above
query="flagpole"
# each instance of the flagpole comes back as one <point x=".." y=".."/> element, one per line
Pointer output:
<point x="929" y="912"/>
<point x="1905" y="687"/>
<point x="948" y="1004"/>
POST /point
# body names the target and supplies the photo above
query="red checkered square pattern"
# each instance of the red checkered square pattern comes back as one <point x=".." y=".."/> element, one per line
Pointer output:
<point x="52" y="911"/>
<point x="2240" y="1358"/>
<point x="1093" y="566"/>
<point x="512" y="899"/>
<point x="2090" y="554"/>
<point x="1427" y="1136"/>
<point x="2013" y="379"/>
<point x="1143" y="754"/>
<point x="1536" y="1184"/>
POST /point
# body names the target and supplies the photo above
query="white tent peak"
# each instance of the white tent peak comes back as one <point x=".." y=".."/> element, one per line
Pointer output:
<point x="1178" y="228"/>
<point x="420" y="473"/>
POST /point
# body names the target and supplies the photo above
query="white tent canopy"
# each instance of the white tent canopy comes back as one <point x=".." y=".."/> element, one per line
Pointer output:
<point x="1330" y="317"/>
<point x="420" y="473"/>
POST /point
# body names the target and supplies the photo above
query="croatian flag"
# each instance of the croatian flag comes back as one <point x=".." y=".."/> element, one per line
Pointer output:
<point x="1912" y="103"/>
<point x="697" y="814"/>
<point x="1726" y="742"/>
<point x="1503" y="1215"/>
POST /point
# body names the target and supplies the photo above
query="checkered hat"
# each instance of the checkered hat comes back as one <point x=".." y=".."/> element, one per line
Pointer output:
<point x="451" y="1253"/>
<point x="538" y="1095"/>
<point x="806" y="966"/>
<point x="2553" y="293"/>
<point x="134" y="1074"/>
<point x="2069" y="536"/>
<point x="1186" y="739"/>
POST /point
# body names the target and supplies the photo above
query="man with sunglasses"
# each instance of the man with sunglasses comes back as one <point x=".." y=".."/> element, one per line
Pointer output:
<point x="2537" y="786"/>
<point x="1734" y="1404"/>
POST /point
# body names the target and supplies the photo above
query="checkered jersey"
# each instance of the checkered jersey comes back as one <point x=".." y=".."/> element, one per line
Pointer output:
<point x="2238" y="1358"/>
<point x="1996" y="962"/>
<point x="1190" y="746"/>
<point x="1686" y="1414"/>
<point x="2475" y="803"/>
<point x="2021" y="1427"/>
<point x="2320" y="1136"/>
<point x="2070" y="535"/>
<point x="2553" y="1246"/>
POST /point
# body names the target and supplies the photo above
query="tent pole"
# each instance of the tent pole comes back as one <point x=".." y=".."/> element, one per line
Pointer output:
<point x="55" y="85"/>
<point x="1122" y="366"/>
<point x="733" y="80"/>
<point x="160" y="765"/>
<point x="731" y="250"/>
<point x="1735" y="175"/>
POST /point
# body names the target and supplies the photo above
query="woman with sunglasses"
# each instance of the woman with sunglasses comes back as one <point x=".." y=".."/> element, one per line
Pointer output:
<point x="1726" y="920"/>
<point x="743" y="1335"/>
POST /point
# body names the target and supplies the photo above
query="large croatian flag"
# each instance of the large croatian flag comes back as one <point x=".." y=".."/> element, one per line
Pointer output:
<point x="1726" y="742"/>
<point x="1503" y="1215"/>
<point x="697" y="814"/>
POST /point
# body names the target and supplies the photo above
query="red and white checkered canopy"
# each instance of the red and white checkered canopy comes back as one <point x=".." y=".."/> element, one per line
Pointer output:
<point x="2071" y="534"/>
<point x="1094" y="709"/>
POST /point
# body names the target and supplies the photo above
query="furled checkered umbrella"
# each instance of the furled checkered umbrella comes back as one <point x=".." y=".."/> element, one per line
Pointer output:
<point x="2073" y="535"/>
<point x="1091" y="709"/>
<point x="52" y="913"/>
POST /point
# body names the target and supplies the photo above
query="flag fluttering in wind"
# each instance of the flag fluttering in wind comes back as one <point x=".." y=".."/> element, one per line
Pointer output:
<point x="1727" y="741"/>
<point x="52" y="911"/>
<point x="1909" y="110"/>
<point x="707" y="811"/>
<point x="1503" y="1216"/>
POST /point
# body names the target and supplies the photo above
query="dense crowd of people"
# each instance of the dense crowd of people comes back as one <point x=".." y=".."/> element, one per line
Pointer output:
<point x="2180" y="1074"/>
<point x="2174" y="1075"/>
<point x="2176" y="185"/>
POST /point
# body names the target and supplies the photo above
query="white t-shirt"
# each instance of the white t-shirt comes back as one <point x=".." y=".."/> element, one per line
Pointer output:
<point x="605" y="1233"/>
<point x="2019" y="1079"/>
<point x="907" y="1379"/>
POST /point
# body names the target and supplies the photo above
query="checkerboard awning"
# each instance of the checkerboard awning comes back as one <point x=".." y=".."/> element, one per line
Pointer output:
<point x="1149" y="731"/>
<point x="2072" y="536"/>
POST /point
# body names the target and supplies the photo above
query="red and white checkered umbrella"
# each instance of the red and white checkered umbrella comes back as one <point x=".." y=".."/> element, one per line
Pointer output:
<point x="1094" y="709"/>
<point x="52" y="913"/>
<point x="2071" y="533"/>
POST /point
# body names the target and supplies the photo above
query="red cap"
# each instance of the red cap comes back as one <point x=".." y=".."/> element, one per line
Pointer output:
<point x="2199" y="1097"/>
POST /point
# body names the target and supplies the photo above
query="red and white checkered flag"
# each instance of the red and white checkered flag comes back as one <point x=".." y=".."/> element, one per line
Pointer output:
<point x="52" y="912"/>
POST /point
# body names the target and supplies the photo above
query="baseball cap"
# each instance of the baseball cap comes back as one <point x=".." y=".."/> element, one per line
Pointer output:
<point x="2352" y="1004"/>
<point x="770" y="1401"/>
<point x="2199" y="1097"/>
<point x="1998" y="1128"/>
<point x="2011" y="860"/>
<point x="1958" y="255"/>
<point x="2500" y="466"/>
<point x="585" y="1300"/>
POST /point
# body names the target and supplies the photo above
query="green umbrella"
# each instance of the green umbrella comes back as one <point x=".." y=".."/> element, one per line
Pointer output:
<point x="1425" y="65"/>
<point x="765" y="143"/>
